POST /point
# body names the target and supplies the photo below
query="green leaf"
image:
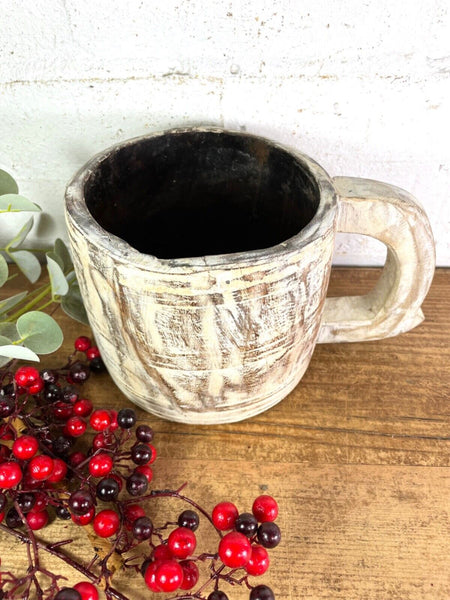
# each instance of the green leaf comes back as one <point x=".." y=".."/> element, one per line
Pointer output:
<point x="39" y="332"/>
<point x="11" y="302"/>
<point x="3" y="270"/>
<point x="16" y="203"/>
<point x="9" y="330"/>
<point x="58" y="280"/>
<point x="72" y="305"/>
<point x="27" y="263"/>
<point x="20" y="237"/>
<point x="8" y="184"/>
<point x="9" y="351"/>
<point x="63" y="253"/>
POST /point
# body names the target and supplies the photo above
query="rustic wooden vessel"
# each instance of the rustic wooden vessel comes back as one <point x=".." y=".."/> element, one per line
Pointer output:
<point x="204" y="255"/>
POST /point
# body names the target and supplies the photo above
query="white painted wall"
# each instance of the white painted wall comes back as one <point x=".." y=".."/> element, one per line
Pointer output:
<point x="363" y="86"/>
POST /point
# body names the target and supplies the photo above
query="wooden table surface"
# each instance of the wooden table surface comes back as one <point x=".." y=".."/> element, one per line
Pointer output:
<point x="358" y="457"/>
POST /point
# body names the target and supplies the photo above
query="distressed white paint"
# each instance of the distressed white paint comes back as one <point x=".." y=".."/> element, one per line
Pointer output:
<point x="362" y="86"/>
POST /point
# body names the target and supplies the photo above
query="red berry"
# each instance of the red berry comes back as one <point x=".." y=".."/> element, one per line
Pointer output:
<point x="83" y="407"/>
<point x="150" y="576"/>
<point x="86" y="590"/>
<point x="100" y="419"/>
<point x="83" y="519"/>
<point x="100" y="465"/>
<point x="265" y="508"/>
<point x="37" y="520"/>
<point x="25" y="447"/>
<point x="106" y="523"/>
<point x="62" y="410"/>
<point x="224" y="515"/>
<point x="154" y="454"/>
<point x="76" y="458"/>
<point x="41" y="467"/>
<point x="168" y="576"/>
<point x="59" y="471"/>
<point x="145" y="470"/>
<point x="26" y="376"/>
<point x="92" y="352"/>
<point x="40" y="502"/>
<point x="133" y="512"/>
<point x="2" y="516"/>
<point x="162" y="552"/>
<point x="10" y="475"/>
<point x="235" y="550"/>
<point x="259" y="561"/>
<point x="182" y="542"/>
<point x="36" y="387"/>
<point x="82" y="344"/>
<point x="75" y="427"/>
<point x="114" y="424"/>
<point x="190" y="574"/>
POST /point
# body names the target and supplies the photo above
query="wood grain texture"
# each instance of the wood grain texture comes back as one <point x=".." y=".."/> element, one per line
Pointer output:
<point x="358" y="456"/>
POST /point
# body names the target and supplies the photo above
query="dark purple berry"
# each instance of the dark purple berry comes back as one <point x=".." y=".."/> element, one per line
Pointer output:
<point x="144" y="566"/>
<point x="247" y="524"/>
<point x="107" y="489"/>
<point x="2" y="502"/>
<point x="262" y="592"/>
<point x="144" y="433"/>
<point x="48" y="376"/>
<point x="79" y="373"/>
<point x="7" y="405"/>
<point x="62" y="444"/>
<point x="269" y="534"/>
<point x="141" y="454"/>
<point x="80" y="502"/>
<point x="26" y="502"/>
<point x="142" y="528"/>
<point x="137" y="484"/>
<point x="69" y="394"/>
<point x="126" y="418"/>
<point x="97" y="365"/>
<point x="217" y="595"/>
<point x="13" y="519"/>
<point x="62" y="513"/>
<point x="52" y="392"/>
<point x="189" y="518"/>
<point x="68" y="594"/>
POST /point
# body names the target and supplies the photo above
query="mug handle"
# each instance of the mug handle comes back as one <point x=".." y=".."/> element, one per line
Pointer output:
<point x="394" y="217"/>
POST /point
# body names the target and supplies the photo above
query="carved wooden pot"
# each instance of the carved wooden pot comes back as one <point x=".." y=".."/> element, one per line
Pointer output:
<point x="203" y="257"/>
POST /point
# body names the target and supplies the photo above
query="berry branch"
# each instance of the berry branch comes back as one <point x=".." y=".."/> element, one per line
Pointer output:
<point x="62" y="458"/>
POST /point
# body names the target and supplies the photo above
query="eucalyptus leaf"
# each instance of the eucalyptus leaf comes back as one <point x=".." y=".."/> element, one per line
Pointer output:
<point x="72" y="305"/>
<point x="8" y="184"/>
<point x="3" y="270"/>
<point x="10" y="351"/>
<point x="39" y="332"/>
<point x="56" y="258"/>
<point x="11" y="302"/>
<point x="9" y="330"/>
<point x="58" y="280"/>
<point x="62" y="251"/>
<point x="20" y="237"/>
<point x="27" y="263"/>
<point x="16" y="203"/>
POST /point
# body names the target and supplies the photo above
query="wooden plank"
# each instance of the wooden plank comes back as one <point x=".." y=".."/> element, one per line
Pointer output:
<point x="358" y="456"/>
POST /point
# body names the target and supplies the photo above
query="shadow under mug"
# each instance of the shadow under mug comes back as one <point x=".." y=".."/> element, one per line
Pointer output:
<point x="203" y="257"/>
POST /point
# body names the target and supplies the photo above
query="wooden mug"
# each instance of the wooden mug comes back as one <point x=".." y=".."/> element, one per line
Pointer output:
<point x="203" y="257"/>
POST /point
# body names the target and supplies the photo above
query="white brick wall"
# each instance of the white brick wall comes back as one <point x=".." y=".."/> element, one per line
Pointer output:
<point x="363" y="86"/>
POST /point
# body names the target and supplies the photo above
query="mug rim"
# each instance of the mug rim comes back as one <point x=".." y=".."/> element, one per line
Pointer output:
<point x="82" y="219"/>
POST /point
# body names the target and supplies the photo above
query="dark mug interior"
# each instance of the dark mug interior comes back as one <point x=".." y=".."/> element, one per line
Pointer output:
<point x="197" y="193"/>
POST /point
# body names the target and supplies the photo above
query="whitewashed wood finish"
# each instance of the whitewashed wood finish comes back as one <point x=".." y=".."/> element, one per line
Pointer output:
<point x="222" y="338"/>
<point x="394" y="217"/>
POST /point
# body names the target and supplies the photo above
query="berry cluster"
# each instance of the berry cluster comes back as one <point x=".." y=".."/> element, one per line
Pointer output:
<point x="61" y="458"/>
